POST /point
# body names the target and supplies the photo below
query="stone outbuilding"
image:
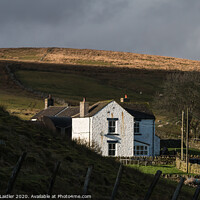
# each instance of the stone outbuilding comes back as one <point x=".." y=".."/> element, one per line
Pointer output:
<point x="62" y="125"/>
<point x="56" y="118"/>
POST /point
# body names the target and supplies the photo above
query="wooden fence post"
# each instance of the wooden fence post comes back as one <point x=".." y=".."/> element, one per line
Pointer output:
<point x="153" y="184"/>
<point x="178" y="189"/>
<point x="53" y="178"/>
<point x="196" y="194"/>
<point x="15" y="173"/>
<point x="119" y="175"/>
<point x="87" y="179"/>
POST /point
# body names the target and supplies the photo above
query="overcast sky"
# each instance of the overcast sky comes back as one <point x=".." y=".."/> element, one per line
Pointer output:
<point x="158" y="27"/>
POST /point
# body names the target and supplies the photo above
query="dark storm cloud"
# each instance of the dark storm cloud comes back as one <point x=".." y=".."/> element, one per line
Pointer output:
<point x="41" y="11"/>
<point x="161" y="27"/>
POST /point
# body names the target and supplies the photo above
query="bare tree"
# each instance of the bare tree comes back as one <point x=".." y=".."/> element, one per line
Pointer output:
<point x="181" y="90"/>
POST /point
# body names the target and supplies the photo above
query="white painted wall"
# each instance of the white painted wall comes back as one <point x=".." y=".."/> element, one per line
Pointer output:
<point x="81" y="129"/>
<point x="124" y="129"/>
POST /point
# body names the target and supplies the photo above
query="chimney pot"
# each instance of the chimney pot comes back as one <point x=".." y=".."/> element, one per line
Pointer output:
<point x="125" y="99"/>
<point x="49" y="101"/>
<point x="84" y="108"/>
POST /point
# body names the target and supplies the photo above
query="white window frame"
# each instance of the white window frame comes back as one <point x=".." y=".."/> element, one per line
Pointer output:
<point x="112" y="149"/>
<point x="136" y="127"/>
<point x="141" y="150"/>
<point x="110" y="120"/>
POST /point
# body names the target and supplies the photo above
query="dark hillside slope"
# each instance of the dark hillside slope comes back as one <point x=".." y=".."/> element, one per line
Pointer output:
<point x="44" y="149"/>
<point x="72" y="82"/>
<point x="16" y="100"/>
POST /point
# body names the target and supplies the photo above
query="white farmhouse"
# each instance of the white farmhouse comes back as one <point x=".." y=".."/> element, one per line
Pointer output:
<point x="118" y="129"/>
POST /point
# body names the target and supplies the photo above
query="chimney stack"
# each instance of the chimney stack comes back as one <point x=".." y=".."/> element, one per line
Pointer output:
<point x="125" y="99"/>
<point x="84" y="108"/>
<point x="49" y="101"/>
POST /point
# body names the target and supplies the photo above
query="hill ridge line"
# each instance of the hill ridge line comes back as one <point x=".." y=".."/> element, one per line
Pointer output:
<point x="98" y="58"/>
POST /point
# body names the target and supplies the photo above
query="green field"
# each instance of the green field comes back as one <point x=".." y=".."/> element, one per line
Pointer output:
<point x="32" y="54"/>
<point x="16" y="100"/>
<point x="72" y="83"/>
<point x="19" y="104"/>
<point x="192" y="151"/>
<point x="140" y="86"/>
<point x="19" y="101"/>
<point x="94" y="86"/>
<point x="68" y="86"/>
<point x="166" y="169"/>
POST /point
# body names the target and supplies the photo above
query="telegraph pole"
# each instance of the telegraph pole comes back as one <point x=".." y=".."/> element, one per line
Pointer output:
<point x="182" y="137"/>
<point x="187" y="142"/>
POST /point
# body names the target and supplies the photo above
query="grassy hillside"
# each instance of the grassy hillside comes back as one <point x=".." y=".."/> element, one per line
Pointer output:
<point x="98" y="58"/>
<point x="45" y="148"/>
<point x="72" y="74"/>
<point x="96" y="83"/>
<point x="72" y="83"/>
<point x="16" y="100"/>
<point x="101" y="86"/>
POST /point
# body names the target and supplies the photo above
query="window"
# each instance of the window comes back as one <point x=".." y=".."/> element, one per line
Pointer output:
<point x="140" y="150"/>
<point x="111" y="149"/>
<point x="136" y="127"/>
<point x="112" y="125"/>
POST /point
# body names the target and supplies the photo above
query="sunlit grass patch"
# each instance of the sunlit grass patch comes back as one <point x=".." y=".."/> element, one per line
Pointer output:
<point x="166" y="169"/>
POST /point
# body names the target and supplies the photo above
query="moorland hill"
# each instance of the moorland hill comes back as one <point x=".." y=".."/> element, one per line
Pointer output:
<point x="98" y="58"/>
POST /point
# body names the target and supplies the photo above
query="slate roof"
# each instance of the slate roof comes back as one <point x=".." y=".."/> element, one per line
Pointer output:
<point x="61" y="122"/>
<point x="142" y="142"/>
<point x="50" y="111"/>
<point x="70" y="111"/>
<point x="139" y="111"/>
<point x="58" y="111"/>
<point x="95" y="108"/>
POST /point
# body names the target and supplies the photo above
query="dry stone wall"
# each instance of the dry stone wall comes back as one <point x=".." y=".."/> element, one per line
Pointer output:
<point x="193" y="168"/>
<point x="157" y="160"/>
<point x="10" y="72"/>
